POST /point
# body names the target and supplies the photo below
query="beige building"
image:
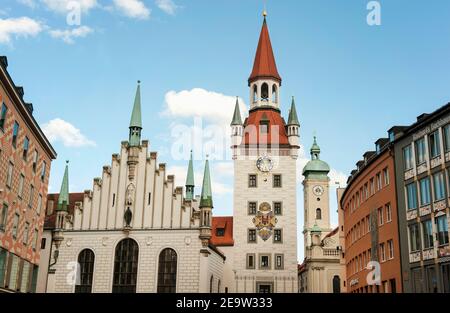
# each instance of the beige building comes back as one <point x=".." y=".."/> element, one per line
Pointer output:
<point x="322" y="269"/>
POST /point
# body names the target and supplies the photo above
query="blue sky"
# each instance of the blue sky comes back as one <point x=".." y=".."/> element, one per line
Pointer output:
<point x="352" y="81"/>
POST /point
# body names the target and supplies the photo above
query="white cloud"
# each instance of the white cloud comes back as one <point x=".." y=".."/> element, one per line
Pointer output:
<point x="68" y="35"/>
<point x="133" y="8"/>
<point x="199" y="102"/>
<point x="64" y="6"/>
<point x="16" y="27"/>
<point x="167" y="6"/>
<point x="218" y="188"/>
<point x="223" y="169"/>
<point x="28" y="3"/>
<point x="60" y="130"/>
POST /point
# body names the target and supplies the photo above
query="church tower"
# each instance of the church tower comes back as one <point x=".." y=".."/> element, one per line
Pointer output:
<point x="265" y="183"/>
<point x="317" y="197"/>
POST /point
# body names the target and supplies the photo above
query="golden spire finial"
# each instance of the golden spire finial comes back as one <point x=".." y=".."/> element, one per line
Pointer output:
<point x="265" y="11"/>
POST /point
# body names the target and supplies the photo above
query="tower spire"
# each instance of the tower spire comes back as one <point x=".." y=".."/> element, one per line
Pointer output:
<point x="237" y="120"/>
<point x="190" y="180"/>
<point x="136" y="119"/>
<point x="264" y="65"/>
<point x="206" y="197"/>
<point x="63" y="199"/>
<point x="293" y="118"/>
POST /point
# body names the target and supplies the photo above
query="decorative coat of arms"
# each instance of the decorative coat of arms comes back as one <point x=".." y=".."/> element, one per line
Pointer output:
<point x="265" y="221"/>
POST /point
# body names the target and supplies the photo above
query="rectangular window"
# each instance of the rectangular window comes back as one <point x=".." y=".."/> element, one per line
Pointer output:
<point x="279" y="261"/>
<point x="447" y="138"/>
<point x="252" y="181"/>
<point x="379" y="181"/>
<point x="264" y="127"/>
<point x="277" y="181"/>
<point x="250" y="261"/>
<point x="26" y="146"/>
<point x="435" y="148"/>
<point x="3" y="258"/>
<point x="277" y="208"/>
<point x="252" y="235"/>
<point x="25" y="233"/>
<point x="264" y="261"/>
<point x="277" y="236"/>
<point x="114" y="199"/>
<point x="442" y="230"/>
<point x="366" y="191"/>
<point x="9" y="177"/>
<point x="39" y="205"/>
<point x="427" y="234"/>
<point x="382" y="252"/>
<point x="25" y="277"/>
<point x="420" y="151"/>
<point x="407" y="158"/>
<point x="36" y="239"/>
<point x="252" y="208"/>
<point x="386" y="176"/>
<point x="21" y="180"/>
<point x="30" y="199"/>
<point x="15" y="225"/>
<point x="35" y="160"/>
<point x="43" y="243"/>
<point x="149" y="198"/>
<point x="372" y="186"/>
<point x="14" y="272"/>
<point x="220" y="232"/>
<point x="425" y="197"/>
<point x="3" y="116"/>
<point x="411" y="194"/>
<point x="414" y="237"/>
<point x="380" y="216"/>
<point x="390" y="249"/>
<point x="388" y="213"/>
<point x="44" y="167"/>
<point x="3" y="217"/>
<point x="15" y="134"/>
<point x="439" y="186"/>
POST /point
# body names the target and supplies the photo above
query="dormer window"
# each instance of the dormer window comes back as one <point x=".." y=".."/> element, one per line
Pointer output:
<point x="220" y="232"/>
<point x="264" y="127"/>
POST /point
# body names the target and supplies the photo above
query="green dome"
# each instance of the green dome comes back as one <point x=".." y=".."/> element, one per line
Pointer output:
<point x="316" y="168"/>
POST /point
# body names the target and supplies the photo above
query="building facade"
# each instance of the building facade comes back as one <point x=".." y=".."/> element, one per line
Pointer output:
<point x="422" y="172"/>
<point x="135" y="231"/>
<point x="25" y="159"/>
<point x="370" y="223"/>
<point x="265" y="150"/>
<point x="321" y="271"/>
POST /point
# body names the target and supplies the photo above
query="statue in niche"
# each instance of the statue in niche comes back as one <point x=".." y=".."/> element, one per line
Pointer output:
<point x="129" y="199"/>
<point x="128" y="216"/>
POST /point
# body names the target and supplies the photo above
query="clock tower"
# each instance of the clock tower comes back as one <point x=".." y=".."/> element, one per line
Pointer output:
<point x="265" y="151"/>
<point x="316" y="197"/>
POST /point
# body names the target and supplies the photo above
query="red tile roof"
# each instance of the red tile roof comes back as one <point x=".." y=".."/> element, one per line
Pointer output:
<point x="264" y="65"/>
<point x="225" y="222"/>
<point x="275" y="135"/>
<point x="50" y="219"/>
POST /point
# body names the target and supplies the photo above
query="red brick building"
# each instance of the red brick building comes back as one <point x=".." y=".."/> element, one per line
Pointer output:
<point x="25" y="158"/>
<point x="371" y="223"/>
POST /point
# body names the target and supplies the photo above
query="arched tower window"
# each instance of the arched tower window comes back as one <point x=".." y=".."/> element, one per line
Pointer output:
<point x="211" y="284"/>
<point x="336" y="284"/>
<point x="265" y="92"/>
<point x="274" y="94"/>
<point x="167" y="271"/>
<point x="86" y="260"/>
<point x="255" y="93"/>
<point x="318" y="214"/>
<point x="125" y="266"/>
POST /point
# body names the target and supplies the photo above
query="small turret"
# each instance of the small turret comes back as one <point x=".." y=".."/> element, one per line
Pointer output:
<point x="62" y="208"/>
<point x="237" y="129"/>
<point x="190" y="181"/>
<point x="206" y="206"/>
<point x="293" y="130"/>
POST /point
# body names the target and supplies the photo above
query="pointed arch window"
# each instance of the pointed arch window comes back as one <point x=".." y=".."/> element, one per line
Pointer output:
<point x="86" y="260"/>
<point x="167" y="271"/>
<point x="265" y="92"/>
<point x="125" y="266"/>
<point x="274" y="93"/>
<point x="318" y="214"/>
<point x="255" y="93"/>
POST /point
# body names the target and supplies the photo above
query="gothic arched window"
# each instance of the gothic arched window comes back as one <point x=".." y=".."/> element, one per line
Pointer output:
<point x="318" y="214"/>
<point x="85" y="273"/>
<point x="125" y="266"/>
<point x="336" y="284"/>
<point x="167" y="271"/>
<point x="265" y="92"/>
<point x="274" y="94"/>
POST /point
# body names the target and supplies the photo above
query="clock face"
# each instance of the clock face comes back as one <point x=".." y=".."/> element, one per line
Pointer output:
<point x="318" y="190"/>
<point x="264" y="164"/>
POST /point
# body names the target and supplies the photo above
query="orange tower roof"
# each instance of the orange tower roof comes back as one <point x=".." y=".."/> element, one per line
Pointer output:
<point x="264" y="65"/>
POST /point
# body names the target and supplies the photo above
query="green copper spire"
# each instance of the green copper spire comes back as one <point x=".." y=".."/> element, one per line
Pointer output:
<point x="315" y="150"/>
<point x="237" y="114"/>
<point x="206" y="197"/>
<point x="190" y="180"/>
<point x="293" y="119"/>
<point x="136" y="120"/>
<point x="63" y="199"/>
